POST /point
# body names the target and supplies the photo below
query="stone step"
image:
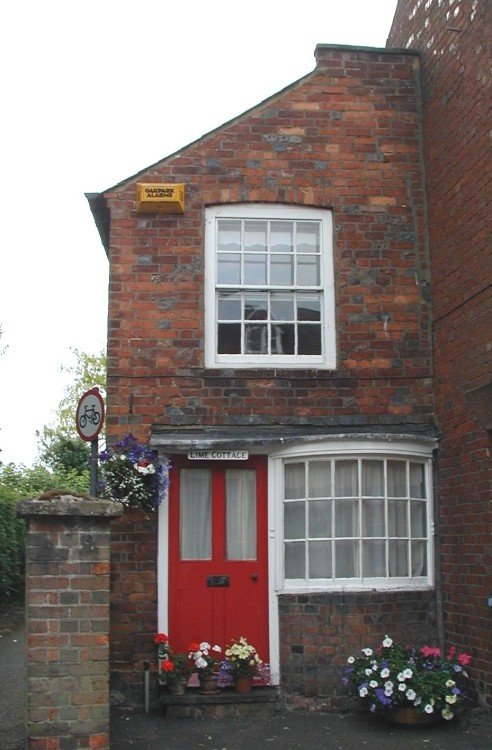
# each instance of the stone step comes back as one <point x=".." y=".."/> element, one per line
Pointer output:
<point x="261" y="701"/>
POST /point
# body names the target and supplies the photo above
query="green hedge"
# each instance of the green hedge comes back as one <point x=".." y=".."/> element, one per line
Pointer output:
<point x="12" y="544"/>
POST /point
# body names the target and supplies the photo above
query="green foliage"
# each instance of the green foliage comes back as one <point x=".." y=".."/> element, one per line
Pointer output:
<point x="12" y="533"/>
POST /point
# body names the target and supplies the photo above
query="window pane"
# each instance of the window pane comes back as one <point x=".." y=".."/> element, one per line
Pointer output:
<point x="229" y="338"/>
<point x="294" y="560"/>
<point x="282" y="307"/>
<point x="397" y="518"/>
<point x="346" y="479"/>
<point x="229" y="306"/>
<point x="346" y="559"/>
<point x="417" y="480"/>
<point x="256" y="339"/>
<point x="195" y="514"/>
<point x="255" y="236"/>
<point x="373" y="518"/>
<point x="256" y="307"/>
<point x="419" y="559"/>
<point x="294" y="480"/>
<point x="229" y="268"/>
<point x="319" y="518"/>
<point x="307" y="237"/>
<point x="319" y="479"/>
<point x="241" y="514"/>
<point x="308" y="307"/>
<point x="282" y="270"/>
<point x="320" y="560"/>
<point x="397" y="479"/>
<point x="282" y="237"/>
<point x="308" y="270"/>
<point x="417" y="518"/>
<point x="229" y="235"/>
<point x="373" y="478"/>
<point x="255" y="269"/>
<point x="373" y="559"/>
<point x="283" y="339"/>
<point x="309" y="339"/>
<point x="294" y="521"/>
<point x="398" y="558"/>
<point x="346" y="518"/>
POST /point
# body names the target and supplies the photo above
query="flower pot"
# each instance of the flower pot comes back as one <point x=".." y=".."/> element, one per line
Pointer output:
<point x="243" y="684"/>
<point x="208" y="685"/>
<point x="178" y="686"/>
<point x="408" y="716"/>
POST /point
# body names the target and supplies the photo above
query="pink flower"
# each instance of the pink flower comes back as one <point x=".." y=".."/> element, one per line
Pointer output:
<point x="464" y="659"/>
<point x="451" y="653"/>
<point x="161" y="638"/>
<point x="431" y="651"/>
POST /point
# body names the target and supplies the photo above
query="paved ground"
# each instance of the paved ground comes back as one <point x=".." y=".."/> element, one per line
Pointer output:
<point x="286" y="731"/>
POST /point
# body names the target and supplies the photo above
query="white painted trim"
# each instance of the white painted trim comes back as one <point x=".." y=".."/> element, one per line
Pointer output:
<point x="163" y="566"/>
<point x="325" y="361"/>
<point x="274" y="634"/>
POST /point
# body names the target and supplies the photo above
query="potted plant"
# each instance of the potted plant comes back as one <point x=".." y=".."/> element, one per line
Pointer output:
<point x="205" y="660"/>
<point x="407" y="684"/>
<point x="132" y="474"/>
<point x="174" y="668"/>
<point x="243" y="663"/>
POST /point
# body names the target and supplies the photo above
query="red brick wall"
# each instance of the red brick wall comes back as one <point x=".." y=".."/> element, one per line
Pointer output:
<point x="454" y="41"/>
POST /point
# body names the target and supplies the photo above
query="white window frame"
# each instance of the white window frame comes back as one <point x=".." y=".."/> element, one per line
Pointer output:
<point x="341" y="448"/>
<point x="327" y="358"/>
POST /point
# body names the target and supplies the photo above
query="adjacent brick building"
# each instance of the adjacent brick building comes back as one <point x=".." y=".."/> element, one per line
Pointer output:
<point x="274" y="341"/>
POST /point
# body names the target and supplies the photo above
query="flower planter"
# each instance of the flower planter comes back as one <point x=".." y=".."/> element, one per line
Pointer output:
<point x="408" y="716"/>
<point x="208" y="685"/>
<point x="243" y="685"/>
<point x="178" y="686"/>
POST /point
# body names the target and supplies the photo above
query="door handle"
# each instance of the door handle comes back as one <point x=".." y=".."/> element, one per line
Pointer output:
<point x="254" y="577"/>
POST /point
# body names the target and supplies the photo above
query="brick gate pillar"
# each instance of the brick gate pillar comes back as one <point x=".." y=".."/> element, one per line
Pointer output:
<point x="67" y="619"/>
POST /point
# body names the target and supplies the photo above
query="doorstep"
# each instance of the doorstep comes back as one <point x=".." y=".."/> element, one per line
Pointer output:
<point x="261" y="701"/>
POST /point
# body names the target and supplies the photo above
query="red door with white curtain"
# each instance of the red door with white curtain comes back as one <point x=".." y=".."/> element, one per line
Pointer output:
<point x="218" y="553"/>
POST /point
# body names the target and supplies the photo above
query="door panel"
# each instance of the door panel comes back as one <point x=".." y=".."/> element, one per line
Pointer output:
<point x="218" y="593"/>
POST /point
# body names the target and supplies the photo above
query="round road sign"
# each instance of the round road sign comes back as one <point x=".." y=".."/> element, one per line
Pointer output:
<point x="89" y="416"/>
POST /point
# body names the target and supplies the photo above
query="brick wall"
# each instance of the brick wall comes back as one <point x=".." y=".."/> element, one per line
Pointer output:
<point x="318" y="632"/>
<point x="454" y="41"/>
<point x="67" y="615"/>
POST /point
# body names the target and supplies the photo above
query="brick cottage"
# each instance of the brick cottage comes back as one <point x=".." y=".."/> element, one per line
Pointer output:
<point x="272" y="337"/>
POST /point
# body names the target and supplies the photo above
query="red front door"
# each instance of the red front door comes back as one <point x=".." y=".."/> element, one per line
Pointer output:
<point x="218" y="553"/>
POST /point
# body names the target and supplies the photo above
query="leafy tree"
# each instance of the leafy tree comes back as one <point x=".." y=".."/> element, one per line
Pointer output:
<point x="60" y="447"/>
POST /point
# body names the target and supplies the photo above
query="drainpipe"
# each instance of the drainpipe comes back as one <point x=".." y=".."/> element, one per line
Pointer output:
<point x="146" y="686"/>
<point x="437" y="556"/>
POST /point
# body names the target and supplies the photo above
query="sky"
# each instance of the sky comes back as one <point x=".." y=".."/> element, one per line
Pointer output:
<point x="92" y="93"/>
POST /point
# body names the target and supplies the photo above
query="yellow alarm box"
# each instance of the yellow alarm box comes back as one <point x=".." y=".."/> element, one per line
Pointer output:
<point x="158" y="198"/>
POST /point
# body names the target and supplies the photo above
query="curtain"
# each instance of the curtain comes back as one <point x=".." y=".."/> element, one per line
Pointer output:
<point x="195" y="520"/>
<point x="241" y="514"/>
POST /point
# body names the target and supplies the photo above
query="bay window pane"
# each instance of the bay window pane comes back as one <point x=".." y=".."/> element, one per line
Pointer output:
<point x="397" y="518"/>
<point x="373" y="478"/>
<point x="294" y="481"/>
<point x="295" y="564"/>
<point x="320" y="560"/>
<point x="229" y="338"/>
<point x="417" y="480"/>
<point x="229" y="235"/>
<point x="308" y="270"/>
<point x="282" y="270"/>
<point x="283" y="338"/>
<point x="307" y="237"/>
<point x="373" y="523"/>
<point x="419" y="559"/>
<point x="308" y="307"/>
<point x="309" y="339"/>
<point x="229" y="306"/>
<point x="346" y="518"/>
<point x="397" y="478"/>
<point x="255" y="339"/>
<point x="319" y="524"/>
<point x="282" y="306"/>
<point x="374" y="559"/>
<point x="319" y="479"/>
<point x="282" y="236"/>
<point x="346" y="559"/>
<point x="294" y="520"/>
<point x="255" y="269"/>
<point x="398" y="557"/>
<point x="346" y="479"/>
<point x="417" y="518"/>
<point x="256" y="307"/>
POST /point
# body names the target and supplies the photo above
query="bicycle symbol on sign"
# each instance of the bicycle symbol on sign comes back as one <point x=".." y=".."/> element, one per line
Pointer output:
<point x="90" y="415"/>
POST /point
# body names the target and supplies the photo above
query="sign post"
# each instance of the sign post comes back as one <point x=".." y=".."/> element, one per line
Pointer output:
<point x="89" y="419"/>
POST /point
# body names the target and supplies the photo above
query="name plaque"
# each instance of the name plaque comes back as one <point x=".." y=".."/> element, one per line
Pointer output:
<point x="216" y="455"/>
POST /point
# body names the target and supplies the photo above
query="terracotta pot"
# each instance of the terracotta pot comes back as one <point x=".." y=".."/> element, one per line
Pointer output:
<point x="208" y="685"/>
<point x="408" y="715"/>
<point x="243" y="684"/>
<point x="178" y="686"/>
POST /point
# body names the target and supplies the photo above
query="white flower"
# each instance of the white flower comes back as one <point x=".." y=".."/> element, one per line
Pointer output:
<point x="367" y="651"/>
<point x="388" y="685"/>
<point x="363" y="692"/>
<point x="450" y="683"/>
<point x="216" y="648"/>
<point x="375" y="666"/>
<point x="373" y="684"/>
<point x="428" y="709"/>
<point x="450" y="699"/>
<point x="200" y="663"/>
<point x="368" y="672"/>
<point x="385" y="672"/>
<point x="411" y="694"/>
<point x="350" y="660"/>
<point x="122" y="457"/>
<point x="407" y="674"/>
<point x="388" y="692"/>
<point x="400" y="677"/>
<point x="402" y="687"/>
<point x="387" y="641"/>
<point x="417" y="701"/>
<point x="447" y="714"/>
<point x="204" y="646"/>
